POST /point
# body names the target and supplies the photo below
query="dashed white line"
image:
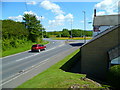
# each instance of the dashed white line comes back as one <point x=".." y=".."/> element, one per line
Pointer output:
<point x="15" y="54"/>
<point x="29" y="69"/>
<point x="36" y="54"/>
<point x="42" y="62"/>
<point x="27" y="57"/>
<point x="18" y="53"/>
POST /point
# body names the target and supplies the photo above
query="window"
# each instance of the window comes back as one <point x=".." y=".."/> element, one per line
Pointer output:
<point x="34" y="46"/>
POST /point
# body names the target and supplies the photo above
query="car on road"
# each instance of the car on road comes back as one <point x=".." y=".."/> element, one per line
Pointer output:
<point x="38" y="47"/>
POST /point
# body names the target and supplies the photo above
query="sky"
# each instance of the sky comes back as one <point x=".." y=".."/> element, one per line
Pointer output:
<point x="58" y="14"/>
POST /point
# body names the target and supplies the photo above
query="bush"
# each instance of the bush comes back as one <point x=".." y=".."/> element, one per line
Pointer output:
<point x="14" y="34"/>
<point x="47" y="36"/>
<point x="114" y="76"/>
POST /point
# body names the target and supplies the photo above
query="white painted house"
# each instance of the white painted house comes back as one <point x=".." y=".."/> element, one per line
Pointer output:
<point x="103" y="22"/>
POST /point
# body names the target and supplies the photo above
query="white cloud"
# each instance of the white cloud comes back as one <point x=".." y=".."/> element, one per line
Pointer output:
<point x="51" y="6"/>
<point x="32" y="13"/>
<point x="64" y="17"/>
<point x="109" y="6"/>
<point x="69" y="17"/>
<point x="16" y="18"/>
<point x="103" y="4"/>
<point x="31" y="3"/>
<point x="29" y="12"/>
<point x="20" y="17"/>
<point x="39" y="17"/>
<point x="100" y="13"/>
<point x="82" y="21"/>
<point x="60" y="18"/>
<point x="55" y="22"/>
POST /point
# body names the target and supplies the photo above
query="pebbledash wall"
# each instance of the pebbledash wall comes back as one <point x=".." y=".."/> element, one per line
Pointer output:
<point x="94" y="54"/>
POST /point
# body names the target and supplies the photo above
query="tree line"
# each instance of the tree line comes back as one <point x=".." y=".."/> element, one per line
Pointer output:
<point x="70" y="33"/>
<point x="16" y="34"/>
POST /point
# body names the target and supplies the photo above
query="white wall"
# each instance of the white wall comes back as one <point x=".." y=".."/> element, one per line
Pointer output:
<point x="101" y="28"/>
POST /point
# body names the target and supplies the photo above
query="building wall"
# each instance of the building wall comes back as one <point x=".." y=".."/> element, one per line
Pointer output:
<point x="106" y="20"/>
<point x="94" y="55"/>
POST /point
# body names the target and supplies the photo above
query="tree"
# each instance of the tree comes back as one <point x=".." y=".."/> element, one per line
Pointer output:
<point x="89" y="33"/>
<point x="14" y="34"/>
<point x="65" y="33"/>
<point x="76" y="33"/>
<point x="34" y="27"/>
<point x="13" y="29"/>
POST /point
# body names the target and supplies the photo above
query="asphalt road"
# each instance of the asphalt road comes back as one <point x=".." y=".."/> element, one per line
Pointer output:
<point x="15" y="64"/>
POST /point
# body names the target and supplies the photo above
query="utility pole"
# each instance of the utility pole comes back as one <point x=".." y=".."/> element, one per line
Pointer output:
<point x="84" y="27"/>
<point x="71" y="27"/>
<point x="42" y="29"/>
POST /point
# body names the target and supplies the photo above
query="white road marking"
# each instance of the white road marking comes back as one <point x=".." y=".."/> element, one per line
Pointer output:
<point x="29" y="69"/>
<point x="21" y="59"/>
<point x="35" y="54"/>
<point x="27" y="57"/>
<point x="42" y="62"/>
<point x="14" y="54"/>
<point x="18" y="53"/>
<point x="25" y="71"/>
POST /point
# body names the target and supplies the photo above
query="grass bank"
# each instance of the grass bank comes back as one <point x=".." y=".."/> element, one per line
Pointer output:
<point x="21" y="48"/>
<point x="74" y="38"/>
<point x="54" y="77"/>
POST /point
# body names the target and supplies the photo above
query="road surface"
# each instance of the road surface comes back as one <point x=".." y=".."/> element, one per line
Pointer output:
<point x="15" y="65"/>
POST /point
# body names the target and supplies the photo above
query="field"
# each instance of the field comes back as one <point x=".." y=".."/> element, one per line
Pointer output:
<point x="74" y="38"/>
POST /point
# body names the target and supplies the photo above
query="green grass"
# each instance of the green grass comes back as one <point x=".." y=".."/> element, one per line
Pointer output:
<point x="22" y="48"/>
<point x="54" y="77"/>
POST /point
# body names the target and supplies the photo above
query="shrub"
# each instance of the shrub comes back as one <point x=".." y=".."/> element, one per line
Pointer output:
<point x="114" y="76"/>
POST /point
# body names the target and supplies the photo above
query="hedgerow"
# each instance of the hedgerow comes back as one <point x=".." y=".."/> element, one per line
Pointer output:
<point x="14" y="34"/>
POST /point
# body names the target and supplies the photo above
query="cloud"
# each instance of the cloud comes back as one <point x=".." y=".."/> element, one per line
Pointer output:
<point x="29" y="12"/>
<point x="108" y="6"/>
<point x="20" y="17"/>
<point x="32" y="13"/>
<point x="69" y="17"/>
<point x="51" y="6"/>
<point x="16" y="18"/>
<point x="55" y="22"/>
<point x="82" y="21"/>
<point x="100" y="13"/>
<point x="60" y="18"/>
<point x="31" y="3"/>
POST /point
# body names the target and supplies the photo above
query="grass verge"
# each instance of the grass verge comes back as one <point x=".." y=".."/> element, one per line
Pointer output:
<point x="22" y="48"/>
<point x="54" y="77"/>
